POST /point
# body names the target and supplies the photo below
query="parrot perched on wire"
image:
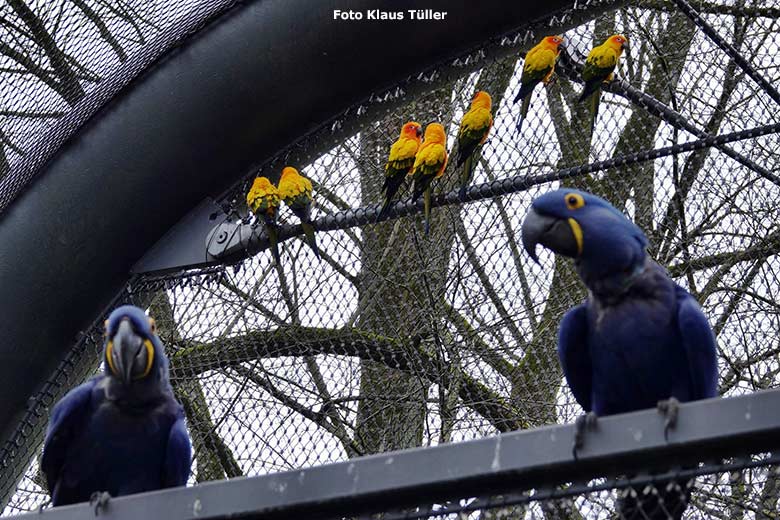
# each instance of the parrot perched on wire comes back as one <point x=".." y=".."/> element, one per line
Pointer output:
<point x="639" y="340"/>
<point x="599" y="68"/>
<point x="263" y="200"/>
<point x="121" y="432"/>
<point x="400" y="161"/>
<point x="539" y="66"/>
<point x="429" y="164"/>
<point x="474" y="129"/>
<point x="296" y="191"/>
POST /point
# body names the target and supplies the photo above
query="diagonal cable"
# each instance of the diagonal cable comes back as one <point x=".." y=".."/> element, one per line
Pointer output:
<point x="729" y="49"/>
<point x="257" y="240"/>
<point x="572" y="70"/>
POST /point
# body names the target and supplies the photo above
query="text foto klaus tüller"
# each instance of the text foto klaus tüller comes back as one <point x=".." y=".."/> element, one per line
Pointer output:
<point x="378" y="14"/>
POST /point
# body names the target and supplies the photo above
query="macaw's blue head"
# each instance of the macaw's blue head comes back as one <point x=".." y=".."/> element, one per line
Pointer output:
<point x="603" y="242"/>
<point x="133" y="352"/>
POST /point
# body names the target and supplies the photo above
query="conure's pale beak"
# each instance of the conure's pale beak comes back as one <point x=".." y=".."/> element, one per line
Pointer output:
<point x="555" y="234"/>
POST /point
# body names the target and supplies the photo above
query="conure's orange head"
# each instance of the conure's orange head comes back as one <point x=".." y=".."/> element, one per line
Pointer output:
<point x="289" y="171"/>
<point x="412" y="130"/>
<point x="553" y="41"/>
<point x="617" y="41"/>
<point x="434" y="133"/>
<point x="263" y="185"/>
<point x="481" y="100"/>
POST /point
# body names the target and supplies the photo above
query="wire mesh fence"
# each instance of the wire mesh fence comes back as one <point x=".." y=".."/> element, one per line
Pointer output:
<point x="399" y="339"/>
<point x="60" y="62"/>
<point x="743" y="488"/>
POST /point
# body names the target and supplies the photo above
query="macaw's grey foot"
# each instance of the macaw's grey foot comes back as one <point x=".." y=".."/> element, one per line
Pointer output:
<point x="581" y="425"/>
<point x="670" y="409"/>
<point x="99" y="500"/>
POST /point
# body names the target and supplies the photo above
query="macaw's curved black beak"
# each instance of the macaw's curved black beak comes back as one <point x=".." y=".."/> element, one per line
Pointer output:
<point x="419" y="131"/>
<point x="129" y="355"/>
<point x="555" y="234"/>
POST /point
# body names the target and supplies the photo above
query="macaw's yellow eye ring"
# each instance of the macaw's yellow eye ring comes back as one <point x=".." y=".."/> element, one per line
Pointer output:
<point x="574" y="200"/>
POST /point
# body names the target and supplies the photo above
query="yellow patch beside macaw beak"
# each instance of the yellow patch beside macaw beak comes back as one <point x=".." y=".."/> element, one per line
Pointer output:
<point x="577" y="232"/>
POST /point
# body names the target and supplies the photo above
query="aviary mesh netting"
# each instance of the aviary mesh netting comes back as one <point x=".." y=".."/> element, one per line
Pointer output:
<point x="396" y="339"/>
<point x="708" y="492"/>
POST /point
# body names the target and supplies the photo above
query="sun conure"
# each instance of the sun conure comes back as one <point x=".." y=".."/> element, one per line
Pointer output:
<point x="263" y="200"/>
<point x="400" y="161"/>
<point x="474" y="129"/>
<point x="538" y="67"/>
<point x="599" y="68"/>
<point x="429" y="164"/>
<point x="296" y="191"/>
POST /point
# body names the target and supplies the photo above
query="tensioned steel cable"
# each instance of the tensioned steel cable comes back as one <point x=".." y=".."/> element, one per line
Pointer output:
<point x="370" y="214"/>
<point x="572" y="70"/>
<point x="729" y="49"/>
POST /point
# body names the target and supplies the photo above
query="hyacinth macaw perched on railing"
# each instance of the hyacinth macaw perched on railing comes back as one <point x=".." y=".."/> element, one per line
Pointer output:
<point x="121" y="432"/>
<point x="639" y="340"/>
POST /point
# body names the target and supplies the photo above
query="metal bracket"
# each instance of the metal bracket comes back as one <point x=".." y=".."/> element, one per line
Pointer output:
<point x="231" y="242"/>
<point x="205" y="237"/>
<point x="183" y="246"/>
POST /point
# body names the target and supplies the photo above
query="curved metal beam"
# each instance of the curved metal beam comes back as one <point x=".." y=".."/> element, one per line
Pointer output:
<point x="196" y="122"/>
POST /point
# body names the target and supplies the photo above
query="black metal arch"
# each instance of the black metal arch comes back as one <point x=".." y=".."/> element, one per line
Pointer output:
<point x="186" y="127"/>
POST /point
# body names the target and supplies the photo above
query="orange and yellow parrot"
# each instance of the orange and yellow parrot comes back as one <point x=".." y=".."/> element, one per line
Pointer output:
<point x="400" y="161"/>
<point x="429" y="164"/>
<point x="263" y="200"/>
<point x="539" y="66"/>
<point x="474" y="129"/>
<point x="296" y="191"/>
<point x="599" y="68"/>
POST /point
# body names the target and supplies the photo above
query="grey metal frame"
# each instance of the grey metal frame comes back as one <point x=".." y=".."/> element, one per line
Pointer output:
<point x="508" y="463"/>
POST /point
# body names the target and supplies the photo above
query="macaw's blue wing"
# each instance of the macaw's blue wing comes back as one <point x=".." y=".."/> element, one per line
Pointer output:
<point x="178" y="456"/>
<point x="699" y="344"/>
<point x="575" y="356"/>
<point x="65" y="422"/>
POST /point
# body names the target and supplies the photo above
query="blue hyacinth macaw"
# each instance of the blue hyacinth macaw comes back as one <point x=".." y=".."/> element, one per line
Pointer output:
<point x="121" y="432"/>
<point x="639" y="340"/>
